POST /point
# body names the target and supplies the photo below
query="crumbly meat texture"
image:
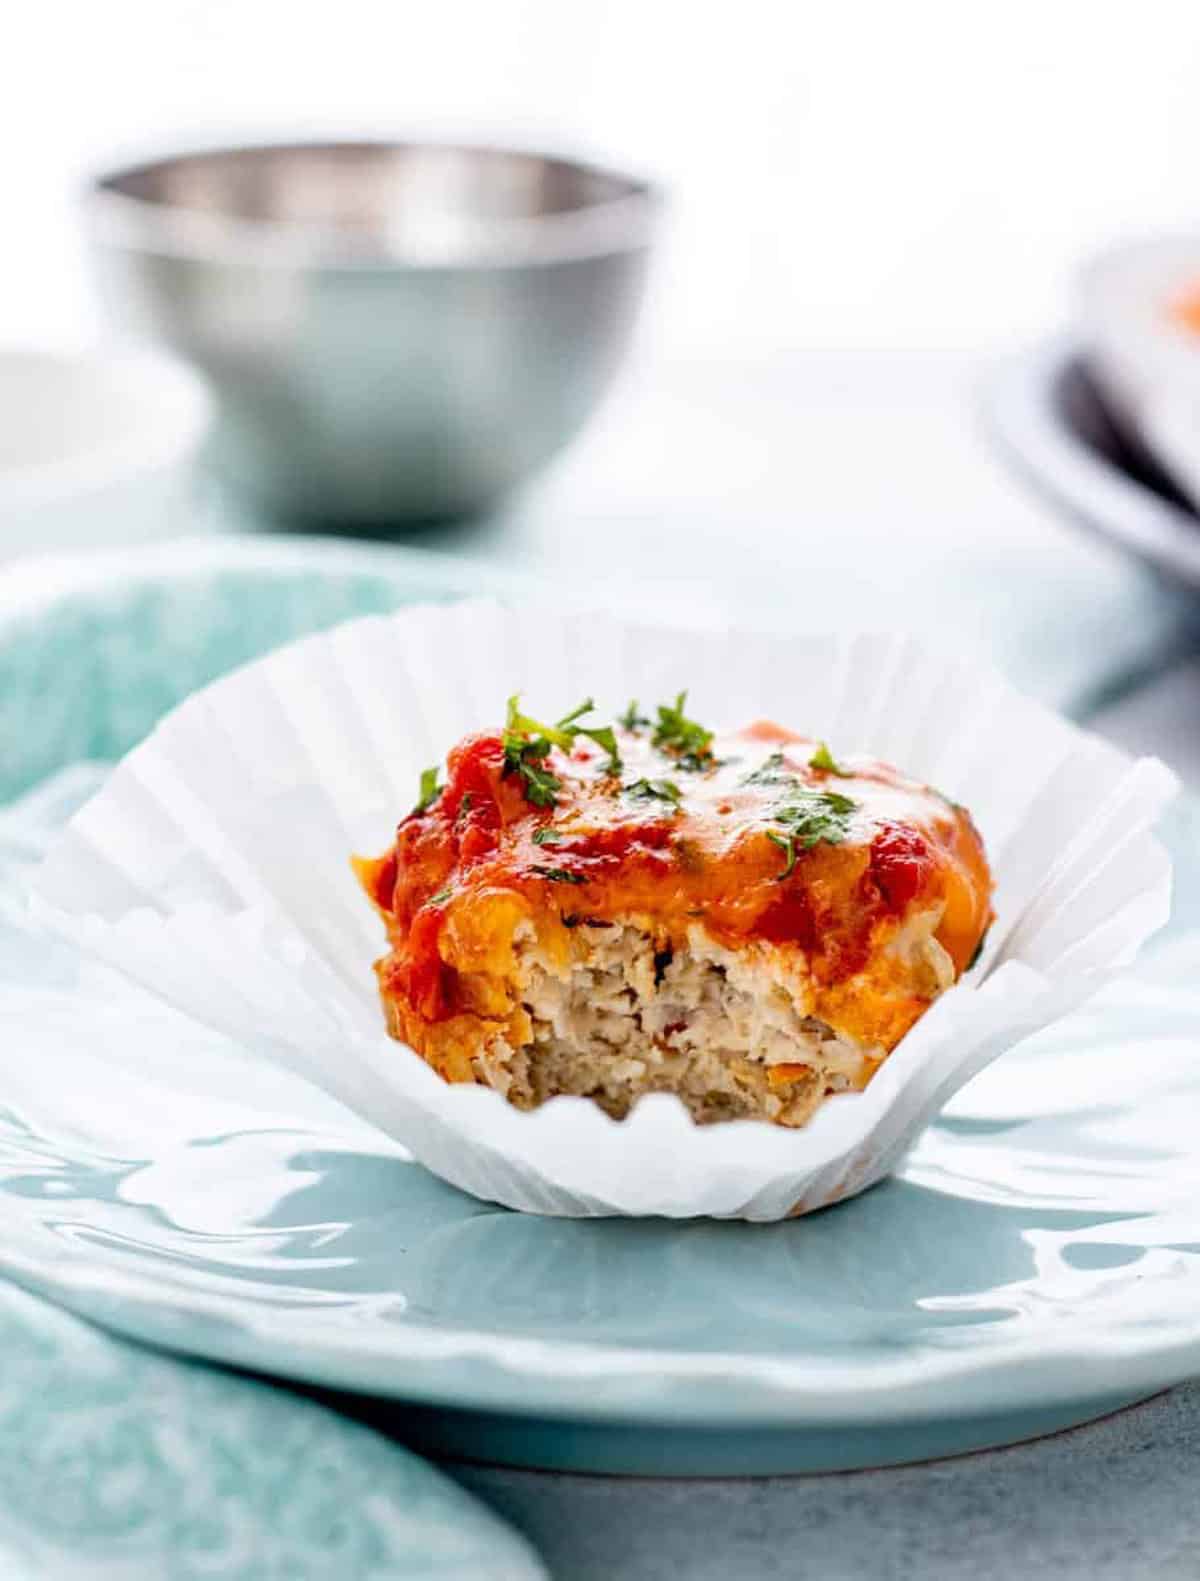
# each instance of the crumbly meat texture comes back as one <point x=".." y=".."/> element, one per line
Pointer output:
<point x="624" y="941"/>
<point x="724" y="1030"/>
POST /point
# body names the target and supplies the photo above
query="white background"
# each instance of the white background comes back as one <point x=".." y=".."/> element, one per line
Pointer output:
<point x="857" y="175"/>
<point x="845" y="173"/>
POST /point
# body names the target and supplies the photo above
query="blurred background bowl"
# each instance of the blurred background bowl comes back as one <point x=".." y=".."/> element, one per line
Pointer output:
<point x="1139" y="312"/>
<point x="96" y="448"/>
<point x="394" y="331"/>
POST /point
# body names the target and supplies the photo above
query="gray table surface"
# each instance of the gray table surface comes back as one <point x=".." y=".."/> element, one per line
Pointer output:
<point x="860" y="488"/>
<point x="1113" y="1501"/>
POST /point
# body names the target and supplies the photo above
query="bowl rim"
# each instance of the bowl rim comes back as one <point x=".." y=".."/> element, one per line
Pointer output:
<point x="174" y="412"/>
<point x="612" y="226"/>
<point x="1125" y="290"/>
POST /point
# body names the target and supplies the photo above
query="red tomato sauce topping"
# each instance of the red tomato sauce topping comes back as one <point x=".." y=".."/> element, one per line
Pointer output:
<point x="754" y="843"/>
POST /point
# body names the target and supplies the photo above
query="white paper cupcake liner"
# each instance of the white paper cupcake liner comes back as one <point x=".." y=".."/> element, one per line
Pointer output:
<point x="213" y="868"/>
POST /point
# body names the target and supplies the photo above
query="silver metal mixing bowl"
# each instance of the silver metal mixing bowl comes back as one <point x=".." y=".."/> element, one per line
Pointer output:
<point x="394" y="331"/>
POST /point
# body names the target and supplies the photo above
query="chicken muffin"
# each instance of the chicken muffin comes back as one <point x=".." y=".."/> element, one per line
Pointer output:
<point x="739" y="919"/>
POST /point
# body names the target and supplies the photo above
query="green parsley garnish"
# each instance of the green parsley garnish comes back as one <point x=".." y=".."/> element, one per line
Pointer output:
<point x="771" y="771"/>
<point x="429" y="790"/>
<point x="547" y="836"/>
<point x="803" y="816"/>
<point x="787" y="844"/>
<point x="559" y="875"/>
<point x="603" y="735"/>
<point x="605" y="738"/>
<point x="528" y="741"/>
<point x="823" y="759"/>
<point x="655" y="790"/>
<point x="541" y="787"/>
<point x="436" y="900"/>
<point x="689" y="743"/>
<point x="809" y="818"/>
<point x="631" y="720"/>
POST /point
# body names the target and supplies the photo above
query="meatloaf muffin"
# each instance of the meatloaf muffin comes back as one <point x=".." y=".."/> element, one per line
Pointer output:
<point x="739" y="919"/>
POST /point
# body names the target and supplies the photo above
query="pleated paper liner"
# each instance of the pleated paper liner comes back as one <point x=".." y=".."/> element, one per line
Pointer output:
<point x="213" y="868"/>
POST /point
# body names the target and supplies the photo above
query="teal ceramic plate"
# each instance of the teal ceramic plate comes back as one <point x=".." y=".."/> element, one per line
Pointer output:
<point x="1037" y="1263"/>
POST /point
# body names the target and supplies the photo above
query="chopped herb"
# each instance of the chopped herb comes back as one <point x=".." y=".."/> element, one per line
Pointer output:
<point x="559" y="875"/>
<point x="817" y="815"/>
<point x="655" y="790"/>
<point x="464" y="806"/>
<point x="805" y="815"/>
<point x="567" y="720"/>
<point x="429" y="790"/>
<point x="786" y="843"/>
<point x="525" y="745"/>
<point x="541" y="787"/>
<point x="436" y="900"/>
<point x="525" y="730"/>
<point x="771" y="771"/>
<point x="527" y="742"/>
<point x="564" y="732"/>
<point x="606" y="739"/>
<point x="631" y="720"/>
<point x="823" y="759"/>
<point x="687" y="742"/>
<point x="812" y="817"/>
<point x="547" y="836"/>
<point x="978" y="950"/>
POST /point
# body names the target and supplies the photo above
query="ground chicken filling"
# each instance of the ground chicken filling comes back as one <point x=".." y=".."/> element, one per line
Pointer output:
<point x="741" y="921"/>
<point x="630" y="1019"/>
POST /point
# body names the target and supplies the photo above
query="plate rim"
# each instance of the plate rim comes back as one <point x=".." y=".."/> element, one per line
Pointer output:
<point x="760" y="1391"/>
